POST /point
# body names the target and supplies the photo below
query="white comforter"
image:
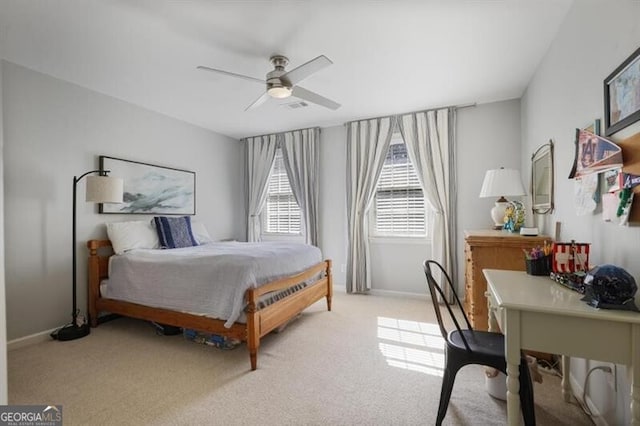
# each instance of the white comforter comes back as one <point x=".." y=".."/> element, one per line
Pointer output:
<point x="210" y="279"/>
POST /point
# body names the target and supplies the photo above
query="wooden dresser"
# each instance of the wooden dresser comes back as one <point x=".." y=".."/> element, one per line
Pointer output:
<point x="494" y="250"/>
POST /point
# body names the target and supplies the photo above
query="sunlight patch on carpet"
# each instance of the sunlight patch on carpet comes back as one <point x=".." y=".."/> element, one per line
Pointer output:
<point x="411" y="345"/>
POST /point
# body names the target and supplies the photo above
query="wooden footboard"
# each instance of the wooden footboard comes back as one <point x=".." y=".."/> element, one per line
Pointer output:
<point x="259" y="321"/>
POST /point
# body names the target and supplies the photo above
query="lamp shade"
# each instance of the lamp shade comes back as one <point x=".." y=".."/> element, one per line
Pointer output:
<point x="104" y="189"/>
<point x="502" y="182"/>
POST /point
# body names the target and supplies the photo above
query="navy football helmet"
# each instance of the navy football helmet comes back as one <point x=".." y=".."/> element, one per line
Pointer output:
<point x="610" y="287"/>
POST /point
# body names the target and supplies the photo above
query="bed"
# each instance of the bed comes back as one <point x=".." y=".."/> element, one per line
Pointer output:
<point x="257" y="319"/>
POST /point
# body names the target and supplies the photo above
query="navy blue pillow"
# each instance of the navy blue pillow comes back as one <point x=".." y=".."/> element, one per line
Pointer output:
<point x="174" y="232"/>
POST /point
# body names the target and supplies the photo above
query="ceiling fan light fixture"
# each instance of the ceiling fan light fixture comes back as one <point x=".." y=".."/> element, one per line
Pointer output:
<point x="281" y="84"/>
<point x="279" y="92"/>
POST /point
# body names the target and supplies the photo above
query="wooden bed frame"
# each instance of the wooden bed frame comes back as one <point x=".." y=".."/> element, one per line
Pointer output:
<point x="259" y="321"/>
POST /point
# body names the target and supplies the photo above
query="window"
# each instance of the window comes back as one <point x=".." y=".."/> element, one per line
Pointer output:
<point x="281" y="214"/>
<point x="399" y="209"/>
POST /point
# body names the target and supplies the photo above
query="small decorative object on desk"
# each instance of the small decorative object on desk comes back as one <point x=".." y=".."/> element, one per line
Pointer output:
<point x="538" y="260"/>
<point x="570" y="257"/>
<point x="570" y="265"/>
<point x="514" y="216"/>
<point x="572" y="280"/>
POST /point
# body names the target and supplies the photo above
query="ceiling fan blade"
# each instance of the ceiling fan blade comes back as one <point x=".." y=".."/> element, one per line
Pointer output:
<point x="262" y="99"/>
<point x="232" y="74"/>
<point x="310" y="96"/>
<point x="298" y="74"/>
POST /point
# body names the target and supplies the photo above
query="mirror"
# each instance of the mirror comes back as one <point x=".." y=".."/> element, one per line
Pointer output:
<point x="542" y="179"/>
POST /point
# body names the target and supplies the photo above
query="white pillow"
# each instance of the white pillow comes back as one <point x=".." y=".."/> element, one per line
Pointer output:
<point x="131" y="235"/>
<point x="200" y="232"/>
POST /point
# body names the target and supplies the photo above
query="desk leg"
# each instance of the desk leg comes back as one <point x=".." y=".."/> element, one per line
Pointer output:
<point x="493" y="322"/>
<point x="566" y="382"/>
<point x="634" y="375"/>
<point x="512" y="350"/>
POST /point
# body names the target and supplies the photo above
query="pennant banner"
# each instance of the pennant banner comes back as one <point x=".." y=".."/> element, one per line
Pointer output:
<point x="631" y="181"/>
<point x="594" y="154"/>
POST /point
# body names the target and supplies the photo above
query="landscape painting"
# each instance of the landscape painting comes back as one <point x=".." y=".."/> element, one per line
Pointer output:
<point x="151" y="189"/>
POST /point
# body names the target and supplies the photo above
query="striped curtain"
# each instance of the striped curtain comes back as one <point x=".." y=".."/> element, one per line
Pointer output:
<point x="367" y="146"/>
<point x="430" y="139"/>
<point x="260" y="153"/>
<point x="301" y="154"/>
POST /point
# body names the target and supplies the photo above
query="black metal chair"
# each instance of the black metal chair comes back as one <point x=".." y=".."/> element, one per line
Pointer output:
<point x="468" y="346"/>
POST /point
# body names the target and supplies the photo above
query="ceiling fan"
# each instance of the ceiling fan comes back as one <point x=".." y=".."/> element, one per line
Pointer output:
<point x="282" y="84"/>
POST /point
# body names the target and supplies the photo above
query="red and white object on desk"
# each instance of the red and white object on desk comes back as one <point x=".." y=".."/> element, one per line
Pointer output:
<point x="570" y="257"/>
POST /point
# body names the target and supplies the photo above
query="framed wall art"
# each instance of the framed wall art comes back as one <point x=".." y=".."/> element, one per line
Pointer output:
<point x="622" y="95"/>
<point x="151" y="189"/>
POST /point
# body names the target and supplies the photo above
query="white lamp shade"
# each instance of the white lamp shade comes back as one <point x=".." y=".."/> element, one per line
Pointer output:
<point x="502" y="183"/>
<point x="104" y="189"/>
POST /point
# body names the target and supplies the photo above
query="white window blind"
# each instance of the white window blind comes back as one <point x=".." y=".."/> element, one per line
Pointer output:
<point x="281" y="214"/>
<point x="399" y="201"/>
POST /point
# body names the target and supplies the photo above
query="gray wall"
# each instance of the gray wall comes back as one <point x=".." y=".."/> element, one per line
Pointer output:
<point x="488" y="137"/>
<point x="54" y="130"/>
<point x="3" y="303"/>
<point x="565" y="93"/>
<point x="333" y="211"/>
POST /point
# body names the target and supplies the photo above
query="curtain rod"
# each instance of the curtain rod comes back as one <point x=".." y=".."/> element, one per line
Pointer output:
<point x="280" y="133"/>
<point x="470" y="105"/>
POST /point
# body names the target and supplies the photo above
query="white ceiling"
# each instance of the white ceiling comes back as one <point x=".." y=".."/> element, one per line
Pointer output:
<point x="389" y="56"/>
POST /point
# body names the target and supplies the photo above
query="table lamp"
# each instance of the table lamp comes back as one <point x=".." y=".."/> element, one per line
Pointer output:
<point x="501" y="183"/>
<point x="100" y="189"/>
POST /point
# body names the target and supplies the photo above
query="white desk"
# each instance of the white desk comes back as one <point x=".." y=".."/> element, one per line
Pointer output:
<point x="536" y="313"/>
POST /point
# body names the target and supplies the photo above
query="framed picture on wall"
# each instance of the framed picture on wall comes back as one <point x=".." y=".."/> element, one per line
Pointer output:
<point x="151" y="189"/>
<point x="622" y="95"/>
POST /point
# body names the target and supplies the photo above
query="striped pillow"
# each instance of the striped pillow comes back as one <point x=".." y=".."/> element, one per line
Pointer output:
<point x="174" y="232"/>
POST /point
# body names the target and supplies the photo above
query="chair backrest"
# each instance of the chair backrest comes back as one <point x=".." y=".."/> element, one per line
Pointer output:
<point x="436" y="291"/>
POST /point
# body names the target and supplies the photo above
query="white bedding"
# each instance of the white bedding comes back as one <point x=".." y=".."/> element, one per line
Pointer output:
<point x="210" y="279"/>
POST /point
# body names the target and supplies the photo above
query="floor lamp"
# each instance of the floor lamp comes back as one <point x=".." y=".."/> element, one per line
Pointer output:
<point x="100" y="189"/>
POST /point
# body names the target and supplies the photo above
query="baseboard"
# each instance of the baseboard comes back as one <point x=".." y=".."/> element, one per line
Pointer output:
<point x="32" y="339"/>
<point x="577" y="390"/>
<point x="342" y="288"/>
<point x="392" y="293"/>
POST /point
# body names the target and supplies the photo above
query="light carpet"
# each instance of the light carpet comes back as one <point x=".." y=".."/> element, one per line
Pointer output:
<point x="373" y="360"/>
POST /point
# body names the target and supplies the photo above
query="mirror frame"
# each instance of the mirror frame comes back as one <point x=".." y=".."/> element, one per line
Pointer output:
<point x="542" y="156"/>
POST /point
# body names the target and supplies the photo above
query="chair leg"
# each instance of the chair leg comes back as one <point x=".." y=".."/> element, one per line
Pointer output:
<point x="526" y="395"/>
<point x="448" y="378"/>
